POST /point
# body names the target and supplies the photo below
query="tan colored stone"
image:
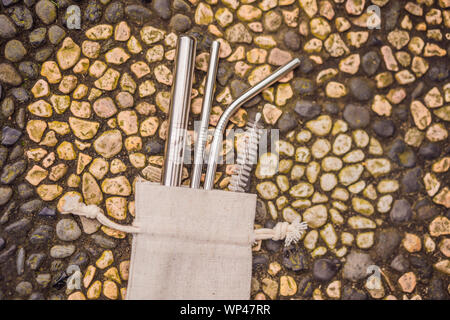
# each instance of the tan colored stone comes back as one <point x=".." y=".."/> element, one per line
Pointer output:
<point x="122" y="31"/>
<point x="51" y="71"/>
<point x="108" y="81"/>
<point x="105" y="260"/>
<point x="407" y="282"/>
<point x="119" y="186"/>
<point x="41" y="108"/>
<point x="100" y="32"/>
<point x="68" y="54"/>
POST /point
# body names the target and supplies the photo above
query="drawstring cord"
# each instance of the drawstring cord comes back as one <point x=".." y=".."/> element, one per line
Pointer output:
<point x="290" y="232"/>
<point x="72" y="204"/>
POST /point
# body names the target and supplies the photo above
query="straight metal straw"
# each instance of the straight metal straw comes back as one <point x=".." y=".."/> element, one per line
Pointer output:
<point x="206" y="111"/>
<point x="180" y="103"/>
<point x="232" y="108"/>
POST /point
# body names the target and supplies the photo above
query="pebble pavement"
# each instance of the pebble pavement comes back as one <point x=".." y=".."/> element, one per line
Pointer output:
<point x="363" y="155"/>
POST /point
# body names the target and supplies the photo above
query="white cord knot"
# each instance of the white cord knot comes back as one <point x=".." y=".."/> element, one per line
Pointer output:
<point x="290" y="232"/>
<point x="74" y="205"/>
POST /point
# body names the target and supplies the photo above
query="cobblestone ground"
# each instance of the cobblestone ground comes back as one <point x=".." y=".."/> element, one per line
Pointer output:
<point x="363" y="150"/>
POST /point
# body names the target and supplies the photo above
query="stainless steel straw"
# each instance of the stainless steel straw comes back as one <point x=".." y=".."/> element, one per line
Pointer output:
<point x="206" y="111"/>
<point x="232" y="108"/>
<point x="179" y="111"/>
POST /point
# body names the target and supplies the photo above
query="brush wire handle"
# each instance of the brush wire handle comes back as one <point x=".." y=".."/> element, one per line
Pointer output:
<point x="247" y="158"/>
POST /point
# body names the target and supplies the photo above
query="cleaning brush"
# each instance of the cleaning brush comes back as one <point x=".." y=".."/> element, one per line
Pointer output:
<point x="247" y="157"/>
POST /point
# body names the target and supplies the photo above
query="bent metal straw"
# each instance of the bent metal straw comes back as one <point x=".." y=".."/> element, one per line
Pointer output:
<point x="232" y="108"/>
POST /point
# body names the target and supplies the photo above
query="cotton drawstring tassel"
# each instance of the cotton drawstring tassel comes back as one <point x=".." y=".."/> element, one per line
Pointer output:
<point x="73" y="205"/>
<point x="290" y="232"/>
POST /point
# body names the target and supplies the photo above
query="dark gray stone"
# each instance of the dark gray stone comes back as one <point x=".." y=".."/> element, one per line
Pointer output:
<point x="3" y="155"/>
<point x="16" y="152"/>
<point x="153" y="148"/>
<point x="180" y="22"/>
<point x="35" y="260"/>
<point x="438" y="289"/>
<point x="260" y="262"/>
<point x="162" y="8"/>
<point x="29" y="69"/>
<point x="291" y="40"/>
<point x="7" y="107"/>
<point x="15" y="51"/>
<point x="46" y="11"/>
<point x="12" y="171"/>
<point x="425" y="210"/>
<point x="47" y="212"/>
<point x="305" y="286"/>
<point x="417" y="92"/>
<point x="36" y="296"/>
<point x="439" y="71"/>
<point x="303" y="86"/>
<point x="401" y="154"/>
<point x="325" y="269"/>
<point x="80" y="259"/>
<point x="21" y="16"/>
<point x="20" y="261"/>
<point x="37" y="36"/>
<point x="180" y="5"/>
<point x="386" y="242"/>
<point x="31" y="206"/>
<point x="10" y="136"/>
<point x="391" y="15"/>
<point x="20" y="94"/>
<point x="104" y="242"/>
<point x="223" y="74"/>
<point x="261" y="211"/>
<point x="294" y="258"/>
<point x="349" y="293"/>
<point x="9" y="75"/>
<point x="5" y="195"/>
<point x="370" y="62"/>
<point x="401" y="211"/>
<point x="62" y="251"/>
<point x="43" y="54"/>
<point x="307" y="109"/>
<point x="6" y="254"/>
<point x="424" y="269"/>
<point x="56" y="34"/>
<point x="361" y="88"/>
<point x="138" y="13"/>
<point x="10" y="209"/>
<point x="22" y="225"/>
<point x="93" y="12"/>
<point x="357" y="116"/>
<point x="306" y="66"/>
<point x="25" y="191"/>
<point x="7" y="27"/>
<point x="20" y="118"/>
<point x="355" y="267"/>
<point x="287" y="122"/>
<point x="7" y="3"/>
<point x="68" y="230"/>
<point x="114" y="12"/>
<point x="411" y="181"/>
<point x="429" y="151"/>
<point x="384" y="128"/>
<point x="2" y="243"/>
<point x="41" y="234"/>
<point x="331" y="107"/>
<point x="24" y="288"/>
<point x="400" y="263"/>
